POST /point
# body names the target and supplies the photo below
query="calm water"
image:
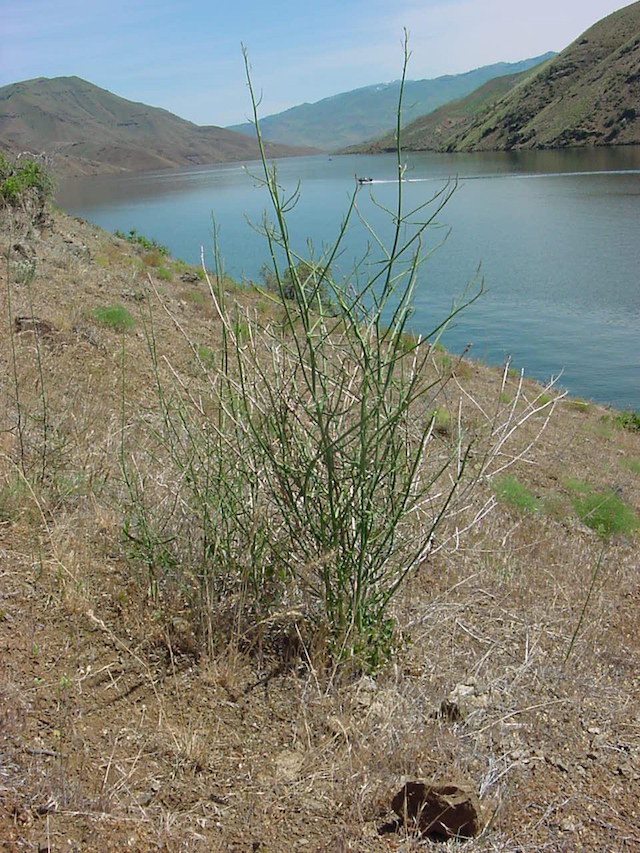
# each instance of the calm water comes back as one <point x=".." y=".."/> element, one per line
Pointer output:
<point x="557" y="234"/>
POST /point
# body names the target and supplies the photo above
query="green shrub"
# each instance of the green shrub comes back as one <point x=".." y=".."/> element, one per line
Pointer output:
<point x="144" y="242"/>
<point x="25" y="185"/>
<point x="511" y="491"/>
<point x="628" y="420"/>
<point x="306" y="483"/>
<point x="606" y="513"/>
<point x="114" y="317"/>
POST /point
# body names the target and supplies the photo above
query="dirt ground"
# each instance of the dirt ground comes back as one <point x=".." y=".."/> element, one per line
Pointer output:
<point x="118" y="732"/>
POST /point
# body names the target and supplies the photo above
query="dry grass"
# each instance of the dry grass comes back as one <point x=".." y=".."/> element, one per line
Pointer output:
<point x="117" y="732"/>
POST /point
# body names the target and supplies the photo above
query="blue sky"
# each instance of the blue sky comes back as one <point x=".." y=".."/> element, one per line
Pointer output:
<point x="185" y="56"/>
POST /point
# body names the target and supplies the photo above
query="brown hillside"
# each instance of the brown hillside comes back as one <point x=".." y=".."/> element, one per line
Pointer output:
<point x="89" y="130"/>
<point x="518" y="662"/>
<point x="588" y="95"/>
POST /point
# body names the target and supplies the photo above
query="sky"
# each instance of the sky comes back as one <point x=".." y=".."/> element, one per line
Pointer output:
<point x="186" y="56"/>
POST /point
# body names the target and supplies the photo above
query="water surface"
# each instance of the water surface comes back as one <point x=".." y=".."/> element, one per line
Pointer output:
<point x="556" y="234"/>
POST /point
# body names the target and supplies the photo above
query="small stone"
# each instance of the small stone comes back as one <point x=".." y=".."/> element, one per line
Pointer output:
<point x="463" y="700"/>
<point x="449" y="810"/>
<point x="144" y="798"/>
<point x="288" y="764"/>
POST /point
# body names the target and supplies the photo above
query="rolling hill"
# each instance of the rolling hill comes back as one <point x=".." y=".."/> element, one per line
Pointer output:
<point x="587" y="95"/>
<point x="362" y="114"/>
<point x="89" y="130"/>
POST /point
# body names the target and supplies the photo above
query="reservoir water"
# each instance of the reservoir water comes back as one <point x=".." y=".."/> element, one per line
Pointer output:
<point x="557" y="235"/>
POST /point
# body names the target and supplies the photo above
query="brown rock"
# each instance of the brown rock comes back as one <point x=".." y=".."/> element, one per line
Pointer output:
<point x="449" y="810"/>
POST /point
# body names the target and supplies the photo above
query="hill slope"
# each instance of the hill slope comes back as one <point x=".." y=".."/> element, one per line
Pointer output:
<point x="362" y="114"/>
<point x="91" y="130"/>
<point x="588" y="95"/>
<point x="436" y="130"/>
<point x="120" y="729"/>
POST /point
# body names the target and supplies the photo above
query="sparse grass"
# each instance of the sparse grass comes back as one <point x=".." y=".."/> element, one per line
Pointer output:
<point x="206" y="355"/>
<point x="197" y="297"/>
<point x="115" y="317"/>
<point x="512" y="492"/>
<point x="632" y="465"/>
<point x="441" y="421"/>
<point x="578" y="404"/>
<point x="409" y="342"/>
<point x="164" y="274"/>
<point x="606" y="513"/>
<point x="153" y="259"/>
<point x="604" y="427"/>
<point x="577" y="486"/>
<point x="14" y="498"/>
<point x="444" y="363"/>
<point x="555" y="506"/>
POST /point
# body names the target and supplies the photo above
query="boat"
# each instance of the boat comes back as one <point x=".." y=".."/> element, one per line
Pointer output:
<point x="365" y="181"/>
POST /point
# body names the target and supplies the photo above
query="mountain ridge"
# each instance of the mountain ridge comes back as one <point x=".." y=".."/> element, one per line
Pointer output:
<point x="358" y="115"/>
<point x="90" y="130"/>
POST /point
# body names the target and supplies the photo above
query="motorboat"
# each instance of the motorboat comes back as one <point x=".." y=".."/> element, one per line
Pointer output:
<point x="365" y="181"/>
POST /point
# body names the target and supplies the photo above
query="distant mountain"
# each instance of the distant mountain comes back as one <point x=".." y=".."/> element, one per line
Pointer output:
<point x="587" y="95"/>
<point x="363" y="114"/>
<point x="90" y="130"/>
<point x="439" y="130"/>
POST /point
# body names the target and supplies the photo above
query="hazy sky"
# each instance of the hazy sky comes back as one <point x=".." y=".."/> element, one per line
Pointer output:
<point x="185" y="56"/>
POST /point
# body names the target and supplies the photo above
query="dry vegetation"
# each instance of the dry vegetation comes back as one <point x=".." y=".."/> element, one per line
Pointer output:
<point x="125" y="726"/>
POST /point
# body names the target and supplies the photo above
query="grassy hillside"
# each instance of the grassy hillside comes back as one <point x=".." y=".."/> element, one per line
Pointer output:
<point x="588" y="95"/>
<point x="89" y="130"/>
<point x="166" y="686"/>
<point x="363" y="114"/>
